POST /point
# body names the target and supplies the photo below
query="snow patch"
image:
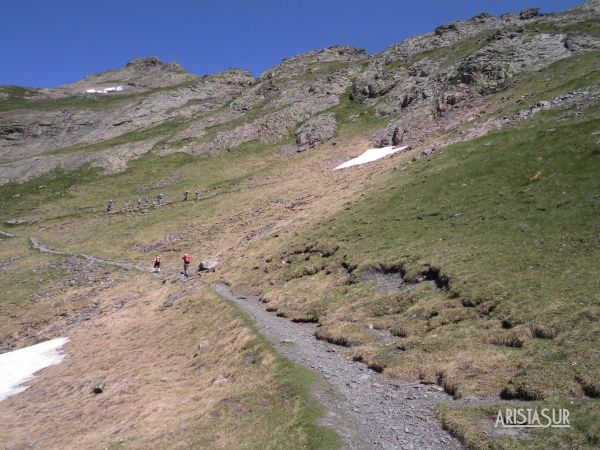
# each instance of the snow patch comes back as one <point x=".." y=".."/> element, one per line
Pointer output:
<point x="105" y="90"/>
<point x="370" y="155"/>
<point x="19" y="366"/>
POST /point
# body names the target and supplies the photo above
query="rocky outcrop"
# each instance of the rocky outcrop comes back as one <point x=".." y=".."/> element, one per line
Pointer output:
<point x="30" y="132"/>
<point x="137" y="75"/>
<point x="316" y="131"/>
<point x="277" y="103"/>
<point x="529" y="13"/>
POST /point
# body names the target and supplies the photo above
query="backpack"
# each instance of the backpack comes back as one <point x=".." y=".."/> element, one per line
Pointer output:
<point x="186" y="259"/>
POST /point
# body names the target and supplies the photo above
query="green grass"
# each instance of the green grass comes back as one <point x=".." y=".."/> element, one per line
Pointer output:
<point x="79" y="190"/>
<point x="222" y="179"/>
<point x="569" y="74"/>
<point x="395" y="65"/>
<point x="589" y="26"/>
<point x="293" y="383"/>
<point x="22" y="197"/>
<point x="355" y="118"/>
<point x="511" y="220"/>
<point x="13" y="96"/>
<point x="24" y="99"/>
<point x="320" y="69"/>
<point x="162" y="130"/>
<point x="33" y="288"/>
<point x="447" y="56"/>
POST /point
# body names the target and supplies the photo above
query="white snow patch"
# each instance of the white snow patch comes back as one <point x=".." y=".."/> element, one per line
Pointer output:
<point x="105" y="90"/>
<point x="19" y="366"/>
<point x="370" y="155"/>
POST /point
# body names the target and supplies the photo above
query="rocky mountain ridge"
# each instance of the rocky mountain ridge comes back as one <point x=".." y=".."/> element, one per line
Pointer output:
<point x="425" y="86"/>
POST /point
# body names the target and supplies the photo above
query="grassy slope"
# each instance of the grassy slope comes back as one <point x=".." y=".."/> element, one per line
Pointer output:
<point x="265" y="403"/>
<point x="511" y="219"/>
<point x="268" y="407"/>
<point x="18" y="98"/>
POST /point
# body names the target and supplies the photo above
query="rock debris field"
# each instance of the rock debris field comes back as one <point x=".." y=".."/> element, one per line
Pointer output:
<point x="367" y="410"/>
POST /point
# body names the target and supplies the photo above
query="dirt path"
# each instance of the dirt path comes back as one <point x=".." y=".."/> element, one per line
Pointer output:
<point x="366" y="409"/>
<point x="39" y="245"/>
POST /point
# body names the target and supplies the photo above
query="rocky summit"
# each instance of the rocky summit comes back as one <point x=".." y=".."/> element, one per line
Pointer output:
<point x="393" y="251"/>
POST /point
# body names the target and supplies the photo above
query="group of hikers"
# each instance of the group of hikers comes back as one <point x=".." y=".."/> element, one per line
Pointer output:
<point x="159" y="201"/>
<point x="149" y="202"/>
<point x="186" y="264"/>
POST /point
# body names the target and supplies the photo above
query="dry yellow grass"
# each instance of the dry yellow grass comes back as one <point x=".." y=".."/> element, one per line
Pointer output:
<point x="190" y="375"/>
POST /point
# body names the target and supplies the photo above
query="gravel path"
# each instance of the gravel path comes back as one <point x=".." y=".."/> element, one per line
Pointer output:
<point x="364" y="408"/>
<point x="367" y="410"/>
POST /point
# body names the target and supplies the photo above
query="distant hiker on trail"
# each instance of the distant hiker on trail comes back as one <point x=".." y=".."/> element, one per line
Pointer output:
<point x="186" y="264"/>
<point x="185" y="195"/>
<point x="139" y="203"/>
<point x="129" y="205"/>
<point x="197" y="194"/>
<point x="109" y="208"/>
<point x="148" y="200"/>
<point x="156" y="263"/>
<point x="159" y="198"/>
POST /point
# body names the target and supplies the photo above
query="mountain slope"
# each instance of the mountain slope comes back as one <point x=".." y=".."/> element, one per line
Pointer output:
<point x="425" y="84"/>
<point x="467" y="261"/>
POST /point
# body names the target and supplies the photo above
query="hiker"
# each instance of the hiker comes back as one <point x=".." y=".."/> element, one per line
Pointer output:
<point x="159" y="198"/>
<point x="156" y="263"/>
<point x="148" y="200"/>
<point x="109" y="208"/>
<point x="197" y="194"/>
<point x="186" y="264"/>
<point x="139" y="203"/>
<point x="129" y="205"/>
<point x="185" y="195"/>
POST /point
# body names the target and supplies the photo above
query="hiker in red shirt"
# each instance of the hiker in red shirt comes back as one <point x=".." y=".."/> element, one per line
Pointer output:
<point x="186" y="264"/>
<point x="156" y="263"/>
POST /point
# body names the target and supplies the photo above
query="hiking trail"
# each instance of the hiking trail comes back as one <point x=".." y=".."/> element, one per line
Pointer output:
<point x="39" y="245"/>
<point x="362" y="406"/>
<point x="366" y="409"/>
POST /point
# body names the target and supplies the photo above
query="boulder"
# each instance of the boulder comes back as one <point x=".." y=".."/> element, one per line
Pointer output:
<point x="445" y="28"/>
<point x="482" y="16"/>
<point x="581" y="42"/>
<point x="316" y="131"/>
<point x="397" y="136"/>
<point x="209" y="265"/>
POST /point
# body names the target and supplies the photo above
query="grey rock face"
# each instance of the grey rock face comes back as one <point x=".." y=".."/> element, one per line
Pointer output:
<point x="28" y="133"/>
<point x="316" y="131"/>
<point x="581" y="42"/>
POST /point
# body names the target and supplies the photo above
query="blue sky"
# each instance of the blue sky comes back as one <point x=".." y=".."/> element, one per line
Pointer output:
<point x="46" y="43"/>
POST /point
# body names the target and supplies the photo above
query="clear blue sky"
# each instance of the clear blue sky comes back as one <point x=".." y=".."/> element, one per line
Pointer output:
<point x="46" y="43"/>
